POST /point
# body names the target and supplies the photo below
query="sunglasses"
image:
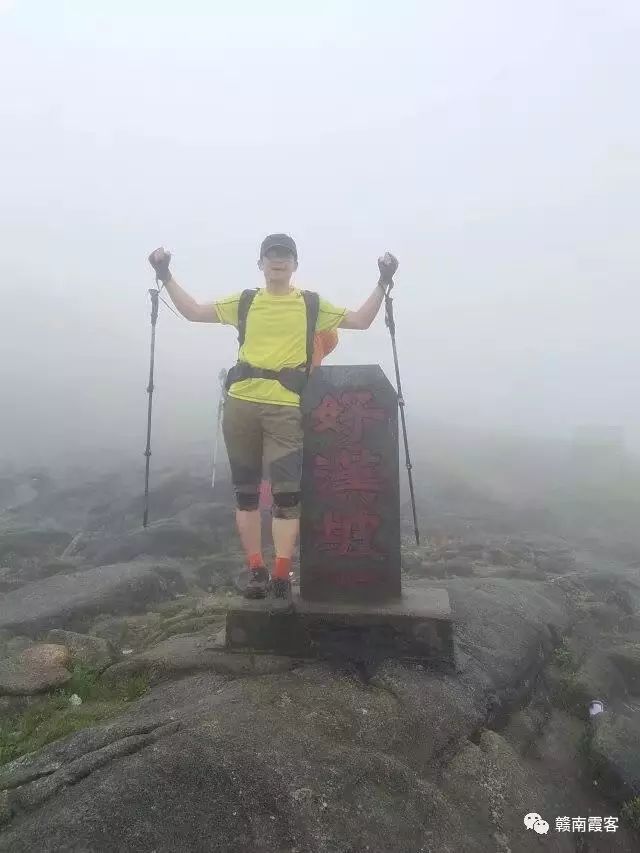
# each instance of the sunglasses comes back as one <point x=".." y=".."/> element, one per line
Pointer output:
<point x="279" y="253"/>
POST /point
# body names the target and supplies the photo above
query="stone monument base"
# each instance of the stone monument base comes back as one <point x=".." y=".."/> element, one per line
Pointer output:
<point x="418" y="626"/>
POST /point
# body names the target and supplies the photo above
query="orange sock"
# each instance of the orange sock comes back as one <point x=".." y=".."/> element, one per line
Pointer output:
<point x="256" y="561"/>
<point x="282" y="568"/>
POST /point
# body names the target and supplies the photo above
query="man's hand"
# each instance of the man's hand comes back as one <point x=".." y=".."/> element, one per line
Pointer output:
<point x="160" y="260"/>
<point x="387" y="264"/>
<point x="365" y="315"/>
<point x="186" y="305"/>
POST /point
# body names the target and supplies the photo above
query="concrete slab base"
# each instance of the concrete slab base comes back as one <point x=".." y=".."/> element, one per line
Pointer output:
<point x="418" y="626"/>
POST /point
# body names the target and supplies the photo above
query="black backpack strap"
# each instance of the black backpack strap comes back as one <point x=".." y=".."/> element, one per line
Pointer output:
<point x="246" y="300"/>
<point x="312" y="304"/>
<point x="291" y="378"/>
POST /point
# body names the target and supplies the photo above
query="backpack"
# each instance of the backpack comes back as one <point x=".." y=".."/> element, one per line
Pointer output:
<point x="291" y="378"/>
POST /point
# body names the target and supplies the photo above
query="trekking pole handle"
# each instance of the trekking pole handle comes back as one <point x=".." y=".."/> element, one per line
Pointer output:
<point x="154" y="293"/>
<point x="389" y="319"/>
<point x="388" y="265"/>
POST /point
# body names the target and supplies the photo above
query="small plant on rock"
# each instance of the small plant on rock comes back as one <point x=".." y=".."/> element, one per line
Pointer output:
<point x="52" y="716"/>
<point x="564" y="657"/>
<point x="630" y="813"/>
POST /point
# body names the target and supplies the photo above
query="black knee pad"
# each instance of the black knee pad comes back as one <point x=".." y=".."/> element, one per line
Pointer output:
<point x="247" y="501"/>
<point x="286" y="504"/>
<point x="286" y="500"/>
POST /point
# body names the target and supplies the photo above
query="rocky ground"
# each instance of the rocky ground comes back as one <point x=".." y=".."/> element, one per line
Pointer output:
<point x="125" y="725"/>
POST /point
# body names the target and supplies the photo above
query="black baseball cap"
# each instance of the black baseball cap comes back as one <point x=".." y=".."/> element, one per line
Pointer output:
<point x="282" y="241"/>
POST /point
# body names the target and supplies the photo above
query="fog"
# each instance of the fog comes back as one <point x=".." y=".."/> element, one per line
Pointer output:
<point x="493" y="147"/>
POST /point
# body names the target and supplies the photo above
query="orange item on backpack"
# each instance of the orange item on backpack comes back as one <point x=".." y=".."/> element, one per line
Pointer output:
<point x="323" y="344"/>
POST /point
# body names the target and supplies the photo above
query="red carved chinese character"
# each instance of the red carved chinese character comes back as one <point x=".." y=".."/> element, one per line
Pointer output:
<point x="325" y="416"/>
<point x="347" y="416"/>
<point x="349" y="535"/>
<point x="357" y="412"/>
<point x="350" y="470"/>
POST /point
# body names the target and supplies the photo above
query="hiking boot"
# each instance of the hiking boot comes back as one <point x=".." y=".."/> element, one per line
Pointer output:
<point x="258" y="583"/>
<point x="280" y="588"/>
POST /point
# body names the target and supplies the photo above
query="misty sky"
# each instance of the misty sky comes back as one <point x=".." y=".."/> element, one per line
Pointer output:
<point x="494" y="147"/>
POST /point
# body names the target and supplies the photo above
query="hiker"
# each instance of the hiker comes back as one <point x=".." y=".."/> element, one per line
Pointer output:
<point x="277" y="327"/>
<point x="324" y="343"/>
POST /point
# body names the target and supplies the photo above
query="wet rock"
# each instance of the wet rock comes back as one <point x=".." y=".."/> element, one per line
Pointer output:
<point x="70" y="601"/>
<point x="596" y="677"/>
<point x="171" y="494"/>
<point x="427" y="702"/>
<point x="61" y="502"/>
<point x="42" y="655"/>
<point x="607" y="616"/>
<point x="309" y="774"/>
<point x="524" y="727"/>
<point x="345" y="758"/>
<point x="499" y="557"/>
<point x="21" y="547"/>
<point x="163" y="539"/>
<point x="517" y="552"/>
<point x="418" y="562"/>
<point x="472" y="550"/>
<point x="209" y="516"/>
<point x="626" y="658"/>
<point x="12" y="646"/>
<point x="492" y="775"/>
<point x="414" y="558"/>
<point x="130" y="631"/>
<point x="615" y="588"/>
<point x="57" y="567"/>
<point x="433" y="569"/>
<point x="28" y="571"/>
<point x="458" y="566"/>
<point x="505" y="625"/>
<point x="445" y="553"/>
<point x="139" y="631"/>
<point x="10" y="578"/>
<point x="553" y="564"/>
<point x="184" y="654"/>
<point x="84" y="649"/>
<point x="19" y="678"/>
<point x="615" y="748"/>
<point x="220" y="571"/>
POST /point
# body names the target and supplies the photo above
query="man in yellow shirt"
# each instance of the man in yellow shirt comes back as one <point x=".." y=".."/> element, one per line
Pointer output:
<point x="262" y="423"/>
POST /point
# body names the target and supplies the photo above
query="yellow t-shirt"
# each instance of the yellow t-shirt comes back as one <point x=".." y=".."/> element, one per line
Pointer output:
<point x="276" y="337"/>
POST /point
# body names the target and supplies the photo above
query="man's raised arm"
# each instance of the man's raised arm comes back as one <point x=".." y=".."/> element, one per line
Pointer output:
<point x="366" y="314"/>
<point x="186" y="305"/>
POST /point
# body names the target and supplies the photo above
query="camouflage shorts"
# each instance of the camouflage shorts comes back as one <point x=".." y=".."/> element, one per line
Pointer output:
<point x="263" y="440"/>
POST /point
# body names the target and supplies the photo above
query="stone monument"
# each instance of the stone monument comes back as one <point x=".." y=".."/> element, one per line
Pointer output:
<point x="350" y="603"/>
<point x="350" y="528"/>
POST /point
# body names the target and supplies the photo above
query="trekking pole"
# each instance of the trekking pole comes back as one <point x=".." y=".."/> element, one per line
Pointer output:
<point x="391" y="325"/>
<point x="222" y="376"/>
<point x="154" y="293"/>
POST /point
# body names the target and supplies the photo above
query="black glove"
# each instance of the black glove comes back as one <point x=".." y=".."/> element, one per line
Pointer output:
<point x="160" y="260"/>
<point x="388" y="264"/>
